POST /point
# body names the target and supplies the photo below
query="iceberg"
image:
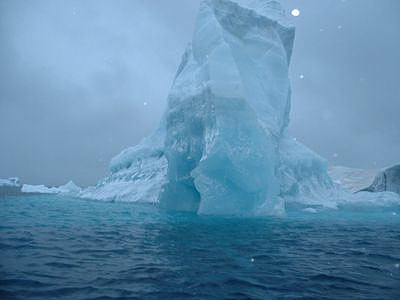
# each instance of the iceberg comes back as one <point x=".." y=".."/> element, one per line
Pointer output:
<point x="303" y="176"/>
<point x="386" y="180"/>
<point x="137" y="174"/>
<point x="10" y="186"/>
<point x="366" y="188"/>
<point x="69" y="189"/>
<point x="351" y="179"/>
<point x="222" y="146"/>
<point x="38" y="189"/>
<point x="10" y="182"/>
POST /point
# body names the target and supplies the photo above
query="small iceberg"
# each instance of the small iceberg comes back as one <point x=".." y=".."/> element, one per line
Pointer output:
<point x="69" y="189"/>
<point x="10" y="186"/>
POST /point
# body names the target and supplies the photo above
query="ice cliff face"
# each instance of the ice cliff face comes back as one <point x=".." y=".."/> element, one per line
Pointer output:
<point x="386" y="180"/>
<point x="222" y="146"/>
<point x="352" y="180"/>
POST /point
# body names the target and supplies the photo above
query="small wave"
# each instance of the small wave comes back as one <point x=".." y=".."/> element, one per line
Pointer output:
<point x="24" y="283"/>
<point x="332" y="279"/>
<point x="62" y="265"/>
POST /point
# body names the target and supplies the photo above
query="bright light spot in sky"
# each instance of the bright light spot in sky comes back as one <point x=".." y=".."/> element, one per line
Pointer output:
<point x="301" y="76"/>
<point x="252" y="260"/>
<point x="295" y="12"/>
<point x="339" y="27"/>
<point x="145" y="103"/>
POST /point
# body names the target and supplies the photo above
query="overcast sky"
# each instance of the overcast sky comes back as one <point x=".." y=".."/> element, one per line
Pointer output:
<point x="75" y="77"/>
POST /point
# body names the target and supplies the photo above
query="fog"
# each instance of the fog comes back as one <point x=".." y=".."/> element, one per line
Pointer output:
<point x="82" y="80"/>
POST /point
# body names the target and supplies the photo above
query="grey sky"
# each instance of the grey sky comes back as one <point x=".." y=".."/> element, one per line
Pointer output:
<point x="74" y="77"/>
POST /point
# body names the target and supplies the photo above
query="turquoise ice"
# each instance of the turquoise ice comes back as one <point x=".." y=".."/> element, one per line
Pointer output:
<point x="222" y="146"/>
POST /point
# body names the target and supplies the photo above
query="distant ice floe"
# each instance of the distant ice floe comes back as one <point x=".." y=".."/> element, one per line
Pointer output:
<point x="222" y="146"/>
<point x="69" y="189"/>
<point x="10" y="186"/>
<point x="10" y="182"/>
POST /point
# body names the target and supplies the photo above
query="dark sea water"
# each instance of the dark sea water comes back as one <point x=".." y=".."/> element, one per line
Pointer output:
<point x="60" y="248"/>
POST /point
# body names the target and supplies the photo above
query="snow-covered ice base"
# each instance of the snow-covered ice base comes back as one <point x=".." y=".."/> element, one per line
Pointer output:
<point x="137" y="174"/>
<point x="222" y="146"/>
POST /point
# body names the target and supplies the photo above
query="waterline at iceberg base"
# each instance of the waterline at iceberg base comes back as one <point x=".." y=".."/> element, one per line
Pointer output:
<point x="222" y="146"/>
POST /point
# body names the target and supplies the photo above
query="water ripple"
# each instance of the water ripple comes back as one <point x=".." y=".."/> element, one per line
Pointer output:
<point x="123" y="251"/>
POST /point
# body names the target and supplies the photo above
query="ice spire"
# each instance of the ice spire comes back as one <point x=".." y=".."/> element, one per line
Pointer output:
<point x="221" y="147"/>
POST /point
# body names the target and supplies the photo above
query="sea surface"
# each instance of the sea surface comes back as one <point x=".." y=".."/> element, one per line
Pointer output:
<point x="61" y="248"/>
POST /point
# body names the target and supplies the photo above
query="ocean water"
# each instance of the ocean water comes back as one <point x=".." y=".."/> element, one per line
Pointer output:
<point x="61" y="248"/>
